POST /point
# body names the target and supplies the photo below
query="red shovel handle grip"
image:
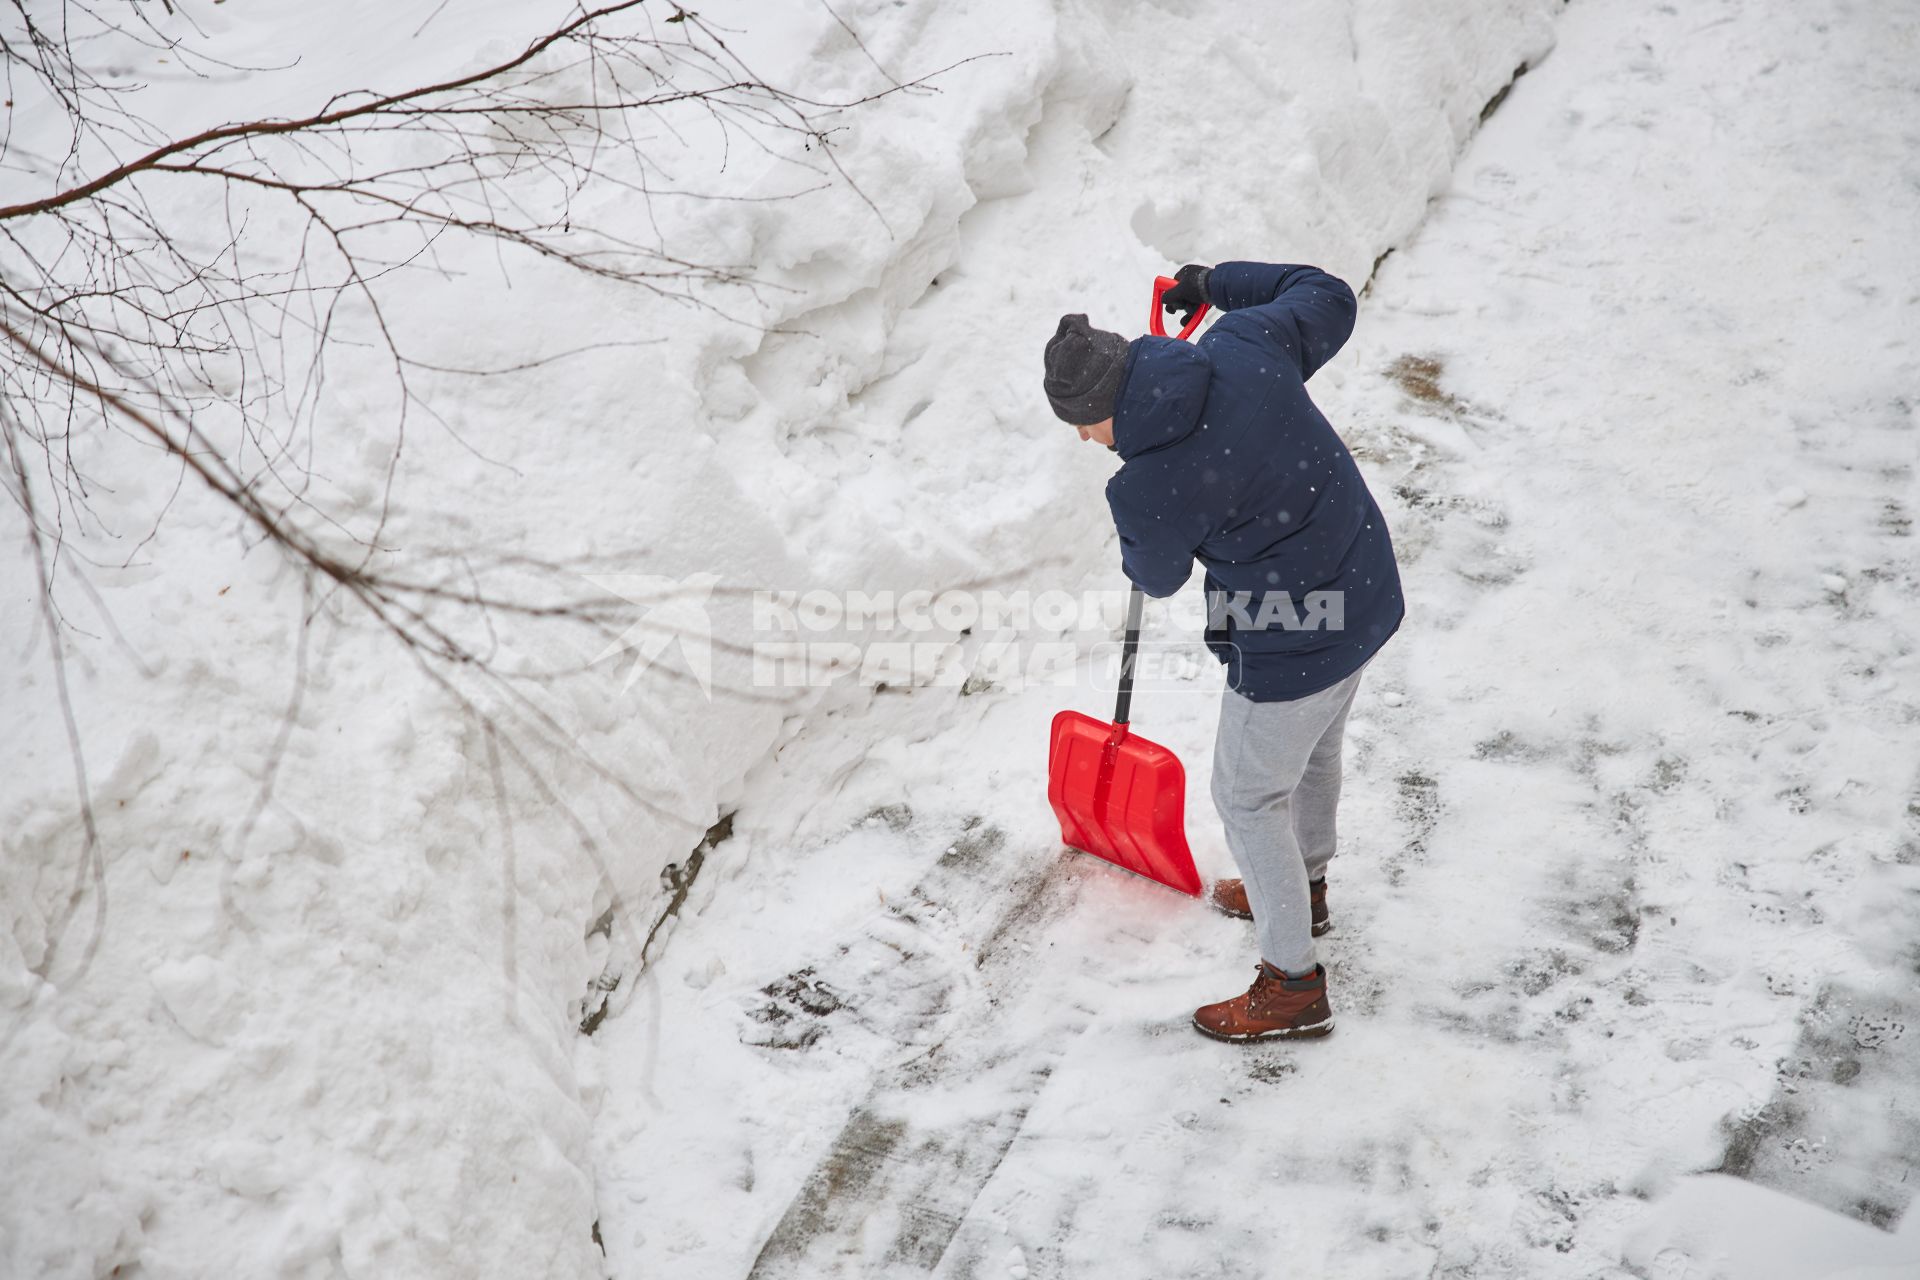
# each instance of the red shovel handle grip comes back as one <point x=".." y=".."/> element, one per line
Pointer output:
<point x="1154" y="325"/>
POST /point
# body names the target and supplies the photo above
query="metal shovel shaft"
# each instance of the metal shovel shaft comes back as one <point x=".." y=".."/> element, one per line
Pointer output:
<point x="1129" y="650"/>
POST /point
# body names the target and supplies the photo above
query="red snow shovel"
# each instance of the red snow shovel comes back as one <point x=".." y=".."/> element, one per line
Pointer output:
<point x="1117" y="795"/>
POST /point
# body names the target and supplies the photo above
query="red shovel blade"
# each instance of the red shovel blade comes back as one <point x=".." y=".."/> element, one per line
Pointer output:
<point x="1122" y="798"/>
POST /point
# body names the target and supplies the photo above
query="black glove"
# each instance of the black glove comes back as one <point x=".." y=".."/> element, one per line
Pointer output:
<point x="1190" y="294"/>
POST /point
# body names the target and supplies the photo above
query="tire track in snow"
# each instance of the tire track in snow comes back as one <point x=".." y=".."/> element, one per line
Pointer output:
<point x="896" y="1183"/>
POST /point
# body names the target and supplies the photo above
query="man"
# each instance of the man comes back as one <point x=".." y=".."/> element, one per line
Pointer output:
<point x="1224" y="459"/>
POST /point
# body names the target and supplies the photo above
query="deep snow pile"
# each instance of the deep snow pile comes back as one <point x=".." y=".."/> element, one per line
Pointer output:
<point x="343" y="1036"/>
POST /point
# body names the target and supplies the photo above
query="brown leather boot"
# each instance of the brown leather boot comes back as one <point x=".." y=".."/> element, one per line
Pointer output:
<point x="1275" y="1007"/>
<point x="1230" y="898"/>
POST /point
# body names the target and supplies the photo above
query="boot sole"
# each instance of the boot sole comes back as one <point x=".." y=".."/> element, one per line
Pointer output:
<point x="1319" y="930"/>
<point x="1313" y="1032"/>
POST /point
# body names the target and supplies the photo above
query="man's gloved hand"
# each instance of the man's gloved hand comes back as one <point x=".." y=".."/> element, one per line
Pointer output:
<point x="1190" y="294"/>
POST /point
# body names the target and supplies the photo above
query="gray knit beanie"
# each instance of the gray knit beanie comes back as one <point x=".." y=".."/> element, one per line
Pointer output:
<point x="1083" y="371"/>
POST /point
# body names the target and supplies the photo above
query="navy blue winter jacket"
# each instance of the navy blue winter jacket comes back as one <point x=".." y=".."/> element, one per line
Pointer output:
<point x="1226" y="460"/>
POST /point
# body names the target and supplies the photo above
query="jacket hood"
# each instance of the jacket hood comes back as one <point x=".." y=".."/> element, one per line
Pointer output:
<point x="1162" y="393"/>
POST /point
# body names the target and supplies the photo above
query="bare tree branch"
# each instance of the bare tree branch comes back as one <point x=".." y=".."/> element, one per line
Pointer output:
<point x="179" y="303"/>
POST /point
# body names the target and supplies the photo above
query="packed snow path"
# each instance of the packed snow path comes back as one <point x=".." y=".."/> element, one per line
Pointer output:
<point x="1630" y="874"/>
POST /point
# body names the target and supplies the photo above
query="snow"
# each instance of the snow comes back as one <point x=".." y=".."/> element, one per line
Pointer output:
<point x="1715" y="1225"/>
<point x="1628" y="888"/>
<point x="1626" y="891"/>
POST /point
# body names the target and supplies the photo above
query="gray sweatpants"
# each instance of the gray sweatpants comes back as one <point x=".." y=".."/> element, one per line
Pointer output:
<point x="1276" y="783"/>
